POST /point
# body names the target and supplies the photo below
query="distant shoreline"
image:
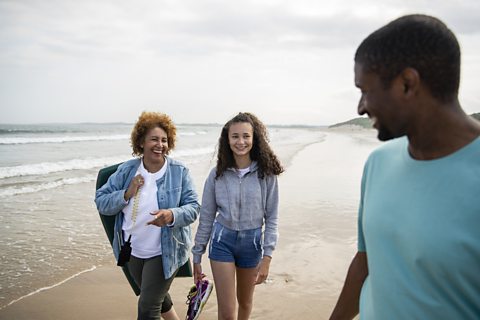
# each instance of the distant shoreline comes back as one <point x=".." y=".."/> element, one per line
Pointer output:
<point x="293" y="126"/>
<point x="361" y="121"/>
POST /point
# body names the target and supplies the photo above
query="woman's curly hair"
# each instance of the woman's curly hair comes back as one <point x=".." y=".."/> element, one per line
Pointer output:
<point x="147" y="121"/>
<point x="261" y="152"/>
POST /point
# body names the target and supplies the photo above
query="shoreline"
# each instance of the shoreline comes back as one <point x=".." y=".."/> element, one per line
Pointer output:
<point x="289" y="143"/>
<point x="103" y="292"/>
<point x="50" y="287"/>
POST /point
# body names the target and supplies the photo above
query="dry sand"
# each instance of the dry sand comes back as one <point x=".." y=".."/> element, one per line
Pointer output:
<point x="317" y="241"/>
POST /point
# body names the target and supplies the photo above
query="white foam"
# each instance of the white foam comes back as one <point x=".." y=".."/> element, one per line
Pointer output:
<point x="191" y="133"/>
<point x="85" y="164"/>
<point x="50" y="167"/>
<point x="25" y="140"/>
<point x="45" y="186"/>
<point x="192" y="152"/>
<point x="50" y="287"/>
<point x="62" y="139"/>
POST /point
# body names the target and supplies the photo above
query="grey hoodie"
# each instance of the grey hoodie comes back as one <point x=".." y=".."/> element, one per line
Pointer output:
<point x="238" y="204"/>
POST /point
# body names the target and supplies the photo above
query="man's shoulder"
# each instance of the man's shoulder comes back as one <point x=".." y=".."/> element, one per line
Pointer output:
<point x="394" y="145"/>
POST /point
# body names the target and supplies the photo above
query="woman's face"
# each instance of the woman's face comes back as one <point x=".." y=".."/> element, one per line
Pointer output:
<point x="240" y="138"/>
<point x="155" y="145"/>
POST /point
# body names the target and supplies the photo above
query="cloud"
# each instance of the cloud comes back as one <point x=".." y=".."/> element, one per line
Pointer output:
<point x="92" y="28"/>
<point x="198" y="58"/>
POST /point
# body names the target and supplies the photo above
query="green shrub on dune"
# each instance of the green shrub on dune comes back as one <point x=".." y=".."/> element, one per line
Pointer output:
<point x="361" y="122"/>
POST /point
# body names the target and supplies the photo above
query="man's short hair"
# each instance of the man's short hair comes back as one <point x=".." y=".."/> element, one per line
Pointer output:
<point x="418" y="41"/>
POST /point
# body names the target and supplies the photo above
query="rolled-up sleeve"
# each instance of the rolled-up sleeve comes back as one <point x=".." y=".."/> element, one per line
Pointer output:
<point x="110" y="197"/>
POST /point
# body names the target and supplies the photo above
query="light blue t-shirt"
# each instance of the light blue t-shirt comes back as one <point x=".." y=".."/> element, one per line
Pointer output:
<point x="419" y="223"/>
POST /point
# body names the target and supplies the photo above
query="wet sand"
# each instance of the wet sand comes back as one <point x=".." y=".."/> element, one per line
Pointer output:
<point x="319" y="198"/>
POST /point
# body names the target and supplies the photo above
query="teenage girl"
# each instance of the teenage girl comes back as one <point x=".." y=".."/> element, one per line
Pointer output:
<point x="240" y="197"/>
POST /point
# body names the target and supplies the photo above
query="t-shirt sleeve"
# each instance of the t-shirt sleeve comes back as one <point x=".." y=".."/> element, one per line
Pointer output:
<point x="361" y="240"/>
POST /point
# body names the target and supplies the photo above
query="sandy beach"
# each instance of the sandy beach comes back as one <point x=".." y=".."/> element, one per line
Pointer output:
<point x="319" y="198"/>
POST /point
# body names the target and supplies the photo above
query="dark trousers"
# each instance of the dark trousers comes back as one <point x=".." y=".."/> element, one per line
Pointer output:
<point x="154" y="297"/>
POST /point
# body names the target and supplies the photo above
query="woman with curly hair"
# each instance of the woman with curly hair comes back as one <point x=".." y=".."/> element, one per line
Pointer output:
<point x="154" y="202"/>
<point x="239" y="198"/>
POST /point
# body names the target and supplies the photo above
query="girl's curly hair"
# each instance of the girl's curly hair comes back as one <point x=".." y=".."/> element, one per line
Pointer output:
<point x="261" y="152"/>
<point x="147" y="121"/>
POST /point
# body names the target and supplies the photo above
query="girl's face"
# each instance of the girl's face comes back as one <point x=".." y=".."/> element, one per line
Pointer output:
<point x="240" y="138"/>
<point x="155" y="145"/>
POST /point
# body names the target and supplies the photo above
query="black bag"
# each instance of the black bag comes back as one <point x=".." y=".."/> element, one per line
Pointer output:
<point x="125" y="253"/>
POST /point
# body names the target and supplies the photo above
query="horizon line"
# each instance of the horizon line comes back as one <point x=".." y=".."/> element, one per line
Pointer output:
<point x="177" y="124"/>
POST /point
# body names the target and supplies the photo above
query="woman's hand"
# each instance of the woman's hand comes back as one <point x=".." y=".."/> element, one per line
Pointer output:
<point x="263" y="270"/>
<point x="135" y="185"/>
<point x="197" y="273"/>
<point x="163" y="217"/>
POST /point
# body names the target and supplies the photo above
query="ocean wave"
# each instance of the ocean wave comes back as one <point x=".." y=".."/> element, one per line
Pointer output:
<point x="192" y="152"/>
<point x="51" y="167"/>
<point x="7" y="192"/>
<point x="191" y="133"/>
<point x="88" y="163"/>
<point x="63" y="139"/>
<point x="36" y="131"/>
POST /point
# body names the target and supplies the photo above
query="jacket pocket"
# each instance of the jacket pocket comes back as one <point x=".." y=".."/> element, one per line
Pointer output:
<point x="174" y="196"/>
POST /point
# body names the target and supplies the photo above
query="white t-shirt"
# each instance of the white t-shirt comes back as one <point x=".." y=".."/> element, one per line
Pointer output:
<point x="146" y="239"/>
<point x="242" y="172"/>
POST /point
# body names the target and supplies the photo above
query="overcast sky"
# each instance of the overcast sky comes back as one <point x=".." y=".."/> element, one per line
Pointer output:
<point x="290" y="62"/>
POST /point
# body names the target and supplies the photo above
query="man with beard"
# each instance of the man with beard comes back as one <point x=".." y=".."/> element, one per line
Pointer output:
<point x="419" y="216"/>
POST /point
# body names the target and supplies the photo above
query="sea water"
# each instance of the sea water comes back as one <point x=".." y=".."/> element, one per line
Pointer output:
<point x="49" y="226"/>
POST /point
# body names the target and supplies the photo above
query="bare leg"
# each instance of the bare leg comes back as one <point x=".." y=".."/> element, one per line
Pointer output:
<point x="170" y="315"/>
<point x="245" y="287"/>
<point x="224" y="277"/>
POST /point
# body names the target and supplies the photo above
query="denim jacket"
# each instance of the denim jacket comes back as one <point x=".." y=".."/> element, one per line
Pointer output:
<point x="238" y="204"/>
<point x="175" y="192"/>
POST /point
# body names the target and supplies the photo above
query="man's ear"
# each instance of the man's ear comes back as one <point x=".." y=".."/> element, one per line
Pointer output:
<point x="410" y="81"/>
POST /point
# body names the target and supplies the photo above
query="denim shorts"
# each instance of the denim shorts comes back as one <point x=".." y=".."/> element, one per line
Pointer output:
<point x="244" y="248"/>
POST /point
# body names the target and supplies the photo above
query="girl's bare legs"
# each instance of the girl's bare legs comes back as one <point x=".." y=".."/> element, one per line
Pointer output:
<point x="224" y="278"/>
<point x="245" y="287"/>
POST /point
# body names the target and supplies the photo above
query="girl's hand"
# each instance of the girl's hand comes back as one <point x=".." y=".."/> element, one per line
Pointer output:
<point x="197" y="273"/>
<point x="263" y="269"/>
<point x="135" y="185"/>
